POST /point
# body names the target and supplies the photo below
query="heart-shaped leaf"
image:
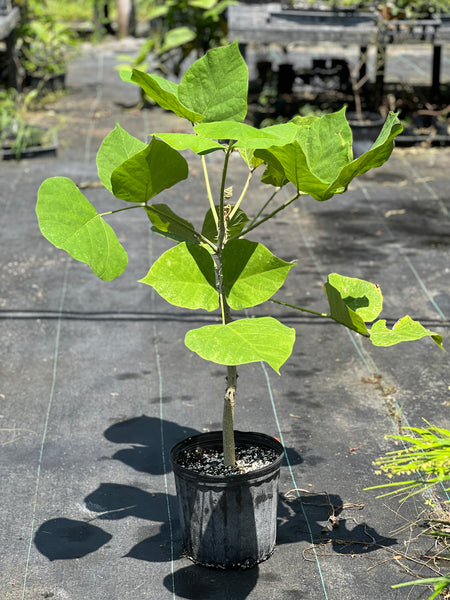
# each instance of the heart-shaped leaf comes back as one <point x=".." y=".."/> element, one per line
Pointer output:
<point x="70" y="222"/>
<point x="185" y="276"/>
<point x="116" y="148"/>
<point x="405" y="330"/>
<point x="216" y="85"/>
<point x="149" y="172"/>
<point x="244" y="341"/>
<point x="252" y="274"/>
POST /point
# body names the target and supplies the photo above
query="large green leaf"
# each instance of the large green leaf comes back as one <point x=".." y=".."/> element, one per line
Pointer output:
<point x="216" y="85"/>
<point x="164" y="93"/>
<point x="318" y="162"/>
<point x="190" y="141"/>
<point x="252" y="274"/>
<point x="405" y="330"/>
<point x="185" y="276"/>
<point x="327" y="143"/>
<point x="70" y="222"/>
<point x="363" y="297"/>
<point x="115" y="149"/>
<point x="244" y="341"/>
<point x="149" y="172"/>
<point x="169" y="224"/>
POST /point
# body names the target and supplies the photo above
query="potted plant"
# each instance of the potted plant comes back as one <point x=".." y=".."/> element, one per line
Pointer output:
<point x="43" y="48"/>
<point x="228" y="513"/>
<point x="19" y="138"/>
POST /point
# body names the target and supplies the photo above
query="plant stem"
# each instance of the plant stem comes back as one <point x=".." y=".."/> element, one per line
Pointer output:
<point x="230" y="394"/>
<point x="228" y="418"/>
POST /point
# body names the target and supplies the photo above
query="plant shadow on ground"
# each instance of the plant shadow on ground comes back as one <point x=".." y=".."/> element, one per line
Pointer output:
<point x="303" y="518"/>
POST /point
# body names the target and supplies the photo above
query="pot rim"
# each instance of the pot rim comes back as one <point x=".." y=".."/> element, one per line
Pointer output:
<point x="215" y="438"/>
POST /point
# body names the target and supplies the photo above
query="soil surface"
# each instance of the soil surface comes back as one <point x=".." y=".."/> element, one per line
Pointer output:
<point x="209" y="461"/>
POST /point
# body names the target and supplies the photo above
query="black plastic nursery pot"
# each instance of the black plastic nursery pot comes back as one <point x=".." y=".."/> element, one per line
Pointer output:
<point x="365" y="131"/>
<point x="228" y="522"/>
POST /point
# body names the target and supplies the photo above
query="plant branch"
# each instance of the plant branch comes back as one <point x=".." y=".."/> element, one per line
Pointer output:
<point x="264" y="206"/>
<point x="118" y="210"/>
<point x="241" y="197"/>
<point x="323" y="315"/>
<point x="267" y="217"/>
<point x="208" y="191"/>
<point x="312" y="312"/>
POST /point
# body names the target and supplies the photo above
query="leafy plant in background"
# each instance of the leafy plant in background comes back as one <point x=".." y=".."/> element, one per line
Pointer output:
<point x="179" y="28"/>
<point x="16" y="133"/>
<point x="397" y="9"/>
<point x="425" y="455"/>
<point x="214" y="266"/>
<point x="415" y="9"/>
<point x="43" y="43"/>
<point x="70" y="10"/>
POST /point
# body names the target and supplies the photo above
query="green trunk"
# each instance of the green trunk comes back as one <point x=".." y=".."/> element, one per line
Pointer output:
<point x="228" y="418"/>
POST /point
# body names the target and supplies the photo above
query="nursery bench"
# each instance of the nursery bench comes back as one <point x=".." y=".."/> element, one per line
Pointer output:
<point x="269" y="23"/>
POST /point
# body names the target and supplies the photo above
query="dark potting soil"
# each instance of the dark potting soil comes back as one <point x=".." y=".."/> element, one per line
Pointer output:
<point x="209" y="461"/>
